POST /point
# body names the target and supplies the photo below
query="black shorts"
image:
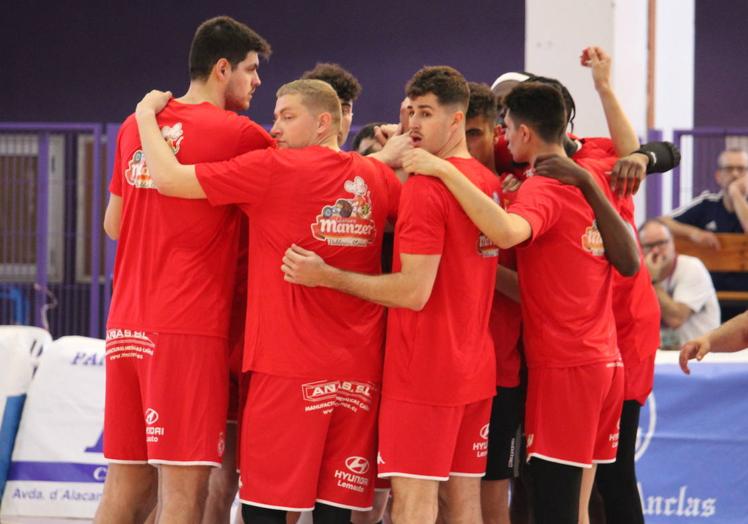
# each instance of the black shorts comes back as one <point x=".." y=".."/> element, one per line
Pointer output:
<point x="503" y="436"/>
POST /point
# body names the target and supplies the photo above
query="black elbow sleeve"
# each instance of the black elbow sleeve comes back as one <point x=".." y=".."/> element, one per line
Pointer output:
<point x="662" y="156"/>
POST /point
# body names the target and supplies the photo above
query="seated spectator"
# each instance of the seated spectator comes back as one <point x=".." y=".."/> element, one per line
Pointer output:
<point x="683" y="285"/>
<point x="723" y="212"/>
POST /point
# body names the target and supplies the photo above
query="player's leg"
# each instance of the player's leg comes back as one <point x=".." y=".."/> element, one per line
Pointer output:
<point x="555" y="491"/>
<point x="415" y="501"/>
<point x="131" y="484"/>
<point x="461" y="494"/>
<point x="129" y="494"/>
<point x="494" y="496"/>
<point x="223" y="483"/>
<point x="184" y="490"/>
<point x="187" y="397"/>
<point x="585" y="492"/>
<point x="617" y="481"/>
<point x="502" y="450"/>
<point x="461" y="498"/>
<point x="376" y="514"/>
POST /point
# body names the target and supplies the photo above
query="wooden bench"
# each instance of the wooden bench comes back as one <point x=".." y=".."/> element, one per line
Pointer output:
<point x="732" y="256"/>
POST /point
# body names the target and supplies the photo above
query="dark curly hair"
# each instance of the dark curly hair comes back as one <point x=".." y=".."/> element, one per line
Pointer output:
<point x="539" y="106"/>
<point x="223" y="37"/>
<point x="344" y="83"/>
<point x="446" y="83"/>
<point x="482" y="102"/>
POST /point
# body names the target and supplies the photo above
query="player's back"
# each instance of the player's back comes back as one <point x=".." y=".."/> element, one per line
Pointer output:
<point x="565" y="278"/>
<point x="336" y="204"/>
<point x="175" y="264"/>
<point x="444" y="354"/>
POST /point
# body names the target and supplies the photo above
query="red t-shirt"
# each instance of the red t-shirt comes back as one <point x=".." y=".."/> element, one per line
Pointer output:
<point x="333" y="203"/>
<point x="443" y="354"/>
<point x="635" y="305"/>
<point x="506" y="325"/>
<point x="175" y="265"/>
<point x="565" y="279"/>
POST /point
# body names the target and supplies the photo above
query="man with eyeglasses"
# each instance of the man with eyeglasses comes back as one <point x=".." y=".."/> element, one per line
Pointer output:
<point x="684" y="288"/>
<point x="723" y="212"/>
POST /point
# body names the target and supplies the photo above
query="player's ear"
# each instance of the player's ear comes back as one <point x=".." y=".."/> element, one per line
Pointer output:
<point x="324" y="121"/>
<point x="457" y="118"/>
<point x="525" y="133"/>
<point x="221" y="69"/>
<point x="496" y="134"/>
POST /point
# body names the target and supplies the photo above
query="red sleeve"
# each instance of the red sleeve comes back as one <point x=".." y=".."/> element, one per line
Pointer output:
<point x="253" y="137"/>
<point x="538" y="203"/>
<point x="422" y="217"/>
<point x="394" y="190"/>
<point x="115" y="184"/>
<point x="242" y="180"/>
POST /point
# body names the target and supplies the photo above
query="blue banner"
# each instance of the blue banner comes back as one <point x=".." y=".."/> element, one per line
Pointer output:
<point x="692" y="448"/>
<point x="57" y="472"/>
<point x="8" y="429"/>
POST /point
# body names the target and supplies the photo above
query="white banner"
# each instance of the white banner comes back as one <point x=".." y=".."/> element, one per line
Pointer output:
<point x="20" y="350"/>
<point x="57" y="468"/>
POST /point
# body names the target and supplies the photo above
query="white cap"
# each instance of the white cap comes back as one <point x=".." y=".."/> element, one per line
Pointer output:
<point x="517" y="77"/>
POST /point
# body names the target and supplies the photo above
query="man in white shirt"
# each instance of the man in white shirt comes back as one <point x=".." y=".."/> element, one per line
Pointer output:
<point x="684" y="288"/>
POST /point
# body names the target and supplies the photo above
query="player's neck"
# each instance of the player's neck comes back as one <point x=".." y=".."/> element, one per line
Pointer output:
<point x="200" y="92"/>
<point x="547" y="149"/>
<point x="330" y="142"/>
<point x="456" y="146"/>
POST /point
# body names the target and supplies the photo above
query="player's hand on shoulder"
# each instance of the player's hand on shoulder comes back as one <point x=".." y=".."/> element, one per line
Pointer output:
<point x="153" y="102"/>
<point x="303" y="267"/>
<point x="417" y="160"/>
<point x="693" y="349"/>
<point x="628" y="173"/>
<point x="562" y="169"/>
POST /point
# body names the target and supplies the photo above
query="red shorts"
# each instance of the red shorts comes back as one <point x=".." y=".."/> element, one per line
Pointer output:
<point x="305" y="441"/>
<point x="572" y="415"/>
<point x="166" y="398"/>
<point x="639" y="379"/>
<point x="433" y="442"/>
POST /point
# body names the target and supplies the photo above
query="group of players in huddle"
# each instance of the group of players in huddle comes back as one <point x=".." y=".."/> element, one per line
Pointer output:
<point x="514" y="241"/>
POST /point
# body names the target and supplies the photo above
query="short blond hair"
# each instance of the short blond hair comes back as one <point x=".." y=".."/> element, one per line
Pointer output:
<point x="317" y="96"/>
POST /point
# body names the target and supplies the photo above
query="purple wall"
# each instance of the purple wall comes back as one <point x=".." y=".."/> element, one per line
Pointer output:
<point x="720" y="68"/>
<point x="65" y="63"/>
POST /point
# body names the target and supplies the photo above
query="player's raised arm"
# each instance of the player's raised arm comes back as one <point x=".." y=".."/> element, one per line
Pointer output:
<point x="504" y="229"/>
<point x="171" y="177"/>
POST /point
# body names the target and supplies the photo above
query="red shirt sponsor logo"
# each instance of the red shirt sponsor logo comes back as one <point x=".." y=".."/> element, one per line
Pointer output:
<point x="348" y="221"/>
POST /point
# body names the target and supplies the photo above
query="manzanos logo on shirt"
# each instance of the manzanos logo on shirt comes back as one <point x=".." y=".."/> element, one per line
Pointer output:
<point x="592" y="241"/>
<point x="136" y="173"/>
<point x="348" y="221"/>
